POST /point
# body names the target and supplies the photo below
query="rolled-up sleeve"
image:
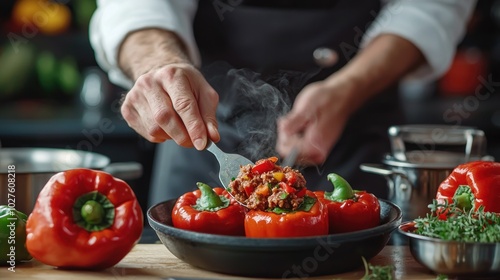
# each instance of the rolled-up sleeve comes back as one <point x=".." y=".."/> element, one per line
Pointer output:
<point x="436" y="27"/>
<point x="115" y="19"/>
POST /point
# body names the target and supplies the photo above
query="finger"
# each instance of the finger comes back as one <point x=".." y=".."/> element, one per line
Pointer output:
<point x="292" y="123"/>
<point x="139" y="118"/>
<point x="209" y="99"/>
<point x="313" y="150"/>
<point x="154" y="107"/>
<point x="185" y="104"/>
<point x="163" y="117"/>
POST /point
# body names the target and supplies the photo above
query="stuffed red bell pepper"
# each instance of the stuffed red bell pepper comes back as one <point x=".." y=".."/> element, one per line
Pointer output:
<point x="471" y="185"/>
<point x="84" y="219"/>
<point x="209" y="210"/>
<point x="310" y="218"/>
<point x="348" y="209"/>
<point x="280" y="204"/>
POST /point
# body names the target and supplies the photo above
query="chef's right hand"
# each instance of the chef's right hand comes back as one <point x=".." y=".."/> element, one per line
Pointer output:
<point x="173" y="102"/>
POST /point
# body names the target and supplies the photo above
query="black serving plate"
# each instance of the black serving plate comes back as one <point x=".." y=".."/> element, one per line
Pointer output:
<point x="274" y="257"/>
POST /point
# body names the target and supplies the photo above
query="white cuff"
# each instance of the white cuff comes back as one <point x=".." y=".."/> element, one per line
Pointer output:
<point x="433" y="26"/>
<point x="114" y="20"/>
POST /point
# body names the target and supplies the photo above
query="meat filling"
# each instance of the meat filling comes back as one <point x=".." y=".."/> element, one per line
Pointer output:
<point x="268" y="187"/>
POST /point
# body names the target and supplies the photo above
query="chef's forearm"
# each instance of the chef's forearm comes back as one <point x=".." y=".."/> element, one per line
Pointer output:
<point x="379" y="65"/>
<point x="149" y="49"/>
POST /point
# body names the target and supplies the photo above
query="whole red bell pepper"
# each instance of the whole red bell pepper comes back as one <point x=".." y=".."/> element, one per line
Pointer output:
<point x="310" y="219"/>
<point x="471" y="185"/>
<point x="349" y="210"/>
<point x="84" y="219"/>
<point x="209" y="210"/>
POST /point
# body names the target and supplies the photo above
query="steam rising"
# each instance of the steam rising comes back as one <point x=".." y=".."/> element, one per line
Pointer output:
<point x="250" y="104"/>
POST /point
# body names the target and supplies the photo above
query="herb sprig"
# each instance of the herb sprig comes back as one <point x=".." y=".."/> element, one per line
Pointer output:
<point x="377" y="272"/>
<point x="459" y="225"/>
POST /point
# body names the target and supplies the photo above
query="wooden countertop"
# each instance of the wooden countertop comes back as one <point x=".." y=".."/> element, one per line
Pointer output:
<point x="154" y="261"/>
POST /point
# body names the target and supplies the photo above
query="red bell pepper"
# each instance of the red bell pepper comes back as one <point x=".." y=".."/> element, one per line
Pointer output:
<point x="349" y="210"/>
<point x="84" y="219"/>
<point x="264" y="165"/>
<point x="471" y="185"/>
<point x="310" y="219"/>
<point x="209" y="210"/>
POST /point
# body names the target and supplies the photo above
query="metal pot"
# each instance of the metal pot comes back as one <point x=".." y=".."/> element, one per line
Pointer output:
<point x="25" y="171"/>
<point x="413" y="176"/>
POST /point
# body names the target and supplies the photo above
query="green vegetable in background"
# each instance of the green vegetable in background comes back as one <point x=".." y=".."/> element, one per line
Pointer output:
<point x="46" y="65"/>
<point x="17" y="64"/>
<point x="56" y="74"/>
<point x="69" y="76"/>
<point x="12" y="236"/>
<point x="84" y="9"/>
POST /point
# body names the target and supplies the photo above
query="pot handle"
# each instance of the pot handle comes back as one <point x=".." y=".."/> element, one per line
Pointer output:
<point x="380" y="169"/>
<point x="388" y="174"/>
<point x="124" y="170"/>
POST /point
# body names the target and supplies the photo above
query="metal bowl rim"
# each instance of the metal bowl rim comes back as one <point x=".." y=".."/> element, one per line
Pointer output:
<point x="103" y="159"/>
<point x="414" y="236"/>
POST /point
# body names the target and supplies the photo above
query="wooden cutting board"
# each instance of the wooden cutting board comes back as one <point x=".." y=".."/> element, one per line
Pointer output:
<point x="154" y="261"/>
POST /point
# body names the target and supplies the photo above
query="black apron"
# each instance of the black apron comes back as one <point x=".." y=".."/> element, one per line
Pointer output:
<point x="258" y="55"/>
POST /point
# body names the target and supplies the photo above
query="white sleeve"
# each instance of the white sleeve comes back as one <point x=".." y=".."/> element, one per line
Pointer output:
<point x="113" y="20"/>
<point x="436" y="27"/>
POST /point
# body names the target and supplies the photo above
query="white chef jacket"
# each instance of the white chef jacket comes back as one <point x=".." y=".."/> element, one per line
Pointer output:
<point x="434" y="26"/>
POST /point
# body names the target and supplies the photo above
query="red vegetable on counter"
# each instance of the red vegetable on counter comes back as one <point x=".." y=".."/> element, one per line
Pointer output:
<point x="349" y="210"/>
<point x="208" y="210"/>
<point x="471" y="185"/>
<point x="84" y="219"/>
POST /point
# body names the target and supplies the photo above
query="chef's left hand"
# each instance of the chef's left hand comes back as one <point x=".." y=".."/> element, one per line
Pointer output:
<point x="316" y="120"/>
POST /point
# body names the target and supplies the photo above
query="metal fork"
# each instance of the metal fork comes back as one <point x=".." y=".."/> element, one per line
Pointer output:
<point x="229" y="166"/>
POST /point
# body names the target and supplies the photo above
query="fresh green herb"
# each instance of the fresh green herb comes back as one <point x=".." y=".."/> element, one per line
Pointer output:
<point x="279" y="210"/>
<point x="306" y="205"/>
<point x="460" y="225"/>
<point x="283" y="195"/>
<point x="376" y="272"/>
<point x="442" y="277"/>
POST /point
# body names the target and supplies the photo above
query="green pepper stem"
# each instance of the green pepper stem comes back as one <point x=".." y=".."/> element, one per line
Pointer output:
<point x="93" y="211"/>
<point x="464" y="198"/>
<point x="342" y="190"/>
<point x="208" y="199"/>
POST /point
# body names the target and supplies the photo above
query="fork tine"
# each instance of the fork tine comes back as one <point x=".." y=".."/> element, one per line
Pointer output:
<point x="229" y="166"/>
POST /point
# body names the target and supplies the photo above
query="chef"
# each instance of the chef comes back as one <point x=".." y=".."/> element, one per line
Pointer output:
<point x="260" y="77"/>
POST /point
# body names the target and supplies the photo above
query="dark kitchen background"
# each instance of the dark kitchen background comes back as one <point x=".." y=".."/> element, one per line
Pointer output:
<point x="52" y="94"/>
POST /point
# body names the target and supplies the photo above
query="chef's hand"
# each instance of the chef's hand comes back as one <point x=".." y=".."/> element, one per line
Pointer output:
<point x="316" y="121"/>
<point x="170" y="98"/>
<point x="322" y="109"/>
<point x="173" y="102"/>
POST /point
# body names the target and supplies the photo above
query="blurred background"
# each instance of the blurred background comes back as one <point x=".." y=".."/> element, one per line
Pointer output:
<point x="52" y="94"/>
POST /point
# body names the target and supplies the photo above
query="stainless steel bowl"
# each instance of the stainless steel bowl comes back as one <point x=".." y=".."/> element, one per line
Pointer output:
<point x="33" y="167"/>
<point x="461" y="259"/>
